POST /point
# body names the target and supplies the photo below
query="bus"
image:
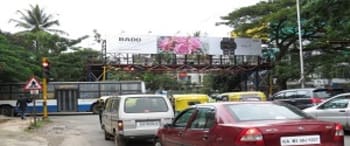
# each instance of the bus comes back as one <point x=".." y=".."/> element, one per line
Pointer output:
<point x="66" y="96"/>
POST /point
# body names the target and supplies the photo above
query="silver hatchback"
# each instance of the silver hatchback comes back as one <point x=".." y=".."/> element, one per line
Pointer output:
<point x="335" y="109"/>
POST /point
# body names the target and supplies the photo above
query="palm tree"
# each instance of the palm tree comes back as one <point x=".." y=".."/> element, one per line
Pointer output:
<point x="35" y="20"/>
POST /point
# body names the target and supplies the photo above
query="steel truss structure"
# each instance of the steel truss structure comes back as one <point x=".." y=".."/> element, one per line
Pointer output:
<point x="161" y="63"/>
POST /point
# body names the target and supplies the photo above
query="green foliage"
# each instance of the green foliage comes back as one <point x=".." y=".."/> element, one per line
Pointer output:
<point x="38" y="124"/>
<point x="222" y="82"/>
<point x="16" y="63"/>
<point x="270" y="53"/>
<point x="20" y="59"/>
<point x="71" y="66"/>
<point x="156" y="81"/>
<point x="323" y="22"/>
<point x="21" y="53"/>
<point x="121" y="75"/>
<point x="152" y="80"/>
<point x="335" y="16"/>
<point x="35" y="19"/>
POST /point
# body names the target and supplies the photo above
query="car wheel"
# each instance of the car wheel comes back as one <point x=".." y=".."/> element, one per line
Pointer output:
<point x="225" y="98"/>
<point x="7" y="110"/>
<point x="157" y="142"/>
<point x="119" y="140"/>
<point x="107" y="135"/>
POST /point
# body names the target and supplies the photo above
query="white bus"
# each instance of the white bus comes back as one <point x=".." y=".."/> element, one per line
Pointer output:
<point x="66" y="96"/>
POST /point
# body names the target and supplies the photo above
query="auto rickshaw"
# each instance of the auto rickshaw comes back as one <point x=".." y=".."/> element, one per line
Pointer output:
<point x="242" y="96"/>
<point x="182" y="101"/>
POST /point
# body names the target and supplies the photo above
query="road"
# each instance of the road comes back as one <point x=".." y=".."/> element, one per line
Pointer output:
<point x="89" y="132"/>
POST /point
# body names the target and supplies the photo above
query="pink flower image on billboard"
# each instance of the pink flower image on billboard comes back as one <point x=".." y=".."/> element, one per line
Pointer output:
<point x="180" y="45"/>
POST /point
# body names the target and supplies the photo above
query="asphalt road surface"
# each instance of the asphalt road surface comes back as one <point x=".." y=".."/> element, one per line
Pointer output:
<point x="90" y="133"/>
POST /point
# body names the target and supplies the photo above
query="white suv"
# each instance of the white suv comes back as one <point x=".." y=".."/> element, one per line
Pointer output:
<point x="138" y="116"/>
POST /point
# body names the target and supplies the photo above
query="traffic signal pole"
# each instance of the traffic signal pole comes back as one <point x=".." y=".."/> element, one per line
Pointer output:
<point x="45" y="65"/>
<point x="45" y="115"/>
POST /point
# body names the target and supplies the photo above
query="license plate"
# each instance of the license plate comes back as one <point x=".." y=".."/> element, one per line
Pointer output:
<point x="300" y="140"/>
<point x="148" y="124"/>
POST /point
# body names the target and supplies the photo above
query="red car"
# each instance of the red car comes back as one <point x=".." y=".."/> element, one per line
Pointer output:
<point x="248" y="124"/>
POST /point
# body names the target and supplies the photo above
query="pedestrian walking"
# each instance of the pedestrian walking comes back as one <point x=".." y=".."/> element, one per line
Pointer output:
<point x="100" y="108"/>
<point x="21" y="104"/>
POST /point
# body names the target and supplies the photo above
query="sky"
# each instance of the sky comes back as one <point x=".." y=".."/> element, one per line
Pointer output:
<point x="133" y="17"/>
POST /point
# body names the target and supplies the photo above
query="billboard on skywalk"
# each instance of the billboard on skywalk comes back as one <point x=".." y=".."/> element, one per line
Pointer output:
<point x="182" y="45"/>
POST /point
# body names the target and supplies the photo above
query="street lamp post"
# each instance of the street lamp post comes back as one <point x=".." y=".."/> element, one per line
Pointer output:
<point x="104" y="49"/>
<point x="302" y="79"/>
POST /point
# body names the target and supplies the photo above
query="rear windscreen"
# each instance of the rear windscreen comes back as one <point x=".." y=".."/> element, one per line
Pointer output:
<point x="145" y="104"/>
<point x="327" y="93"/>
<point x="322" y="94"/>
<point x="193" y="103"/>
<point x="251" y="112"/>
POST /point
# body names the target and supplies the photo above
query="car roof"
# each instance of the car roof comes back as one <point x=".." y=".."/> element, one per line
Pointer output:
<point x="141" y="95"/>
<point x="310" y="89"/>
<point x="242" y="92"/>
<point x="104" y="98"/>
<point x="190" y="94"/>
<point x="300" y="89"/>
<point x="216" y="104"/>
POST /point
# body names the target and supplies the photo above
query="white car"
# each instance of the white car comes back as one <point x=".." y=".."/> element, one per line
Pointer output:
<point x="335" y="109"/>
<point x="138" y="116"/>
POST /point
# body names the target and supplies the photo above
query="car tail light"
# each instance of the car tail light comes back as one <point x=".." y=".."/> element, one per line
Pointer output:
<point x="250" y="137"/>
<point x="315" y="100"/>
<point x="339" y="132"/>
<point x="120" y="125"/>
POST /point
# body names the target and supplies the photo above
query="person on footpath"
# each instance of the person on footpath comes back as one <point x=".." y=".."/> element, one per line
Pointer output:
<point x="100" y="108"/>
<point x="22" y="104"/>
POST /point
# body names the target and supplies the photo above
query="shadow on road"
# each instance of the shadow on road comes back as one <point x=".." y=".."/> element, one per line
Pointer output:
<point x="140" y="142"/>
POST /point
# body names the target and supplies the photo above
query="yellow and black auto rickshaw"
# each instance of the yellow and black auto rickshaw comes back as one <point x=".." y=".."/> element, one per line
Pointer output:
<point x="182" y="101"/>
<point x="242" y="96"/>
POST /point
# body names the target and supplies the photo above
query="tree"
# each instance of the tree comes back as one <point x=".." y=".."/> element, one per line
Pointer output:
<point x="275" y="21"/>
<point x="71" y="66"/>
<point x="35" y="19"/>
<point x="16" y="63"/>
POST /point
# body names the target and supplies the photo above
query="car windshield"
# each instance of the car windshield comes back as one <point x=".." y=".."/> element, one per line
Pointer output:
<point x="264" y="111"/>
<point x="145" y="104"/>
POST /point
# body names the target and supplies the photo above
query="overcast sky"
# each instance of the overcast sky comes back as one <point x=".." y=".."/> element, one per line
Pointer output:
<point x="141" y="17"/>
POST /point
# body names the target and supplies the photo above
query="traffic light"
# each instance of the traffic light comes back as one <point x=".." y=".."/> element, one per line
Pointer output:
<point x="45" y="67"/>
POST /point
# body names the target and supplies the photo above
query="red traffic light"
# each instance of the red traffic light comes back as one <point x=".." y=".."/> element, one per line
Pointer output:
<point x="45" y="67"/>
<point x="45" y="62"/>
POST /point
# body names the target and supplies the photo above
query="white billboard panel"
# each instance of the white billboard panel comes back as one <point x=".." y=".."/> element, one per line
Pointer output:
<point x="182" y="45"/>
<point x="248" y="46"/>
<point x="132" y="44"/>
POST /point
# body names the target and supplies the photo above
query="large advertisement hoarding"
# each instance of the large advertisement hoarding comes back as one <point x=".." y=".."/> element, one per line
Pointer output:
<point x="183" y="45"/>
<point x="247" y="46"/>
<point x="132" y="44"/>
